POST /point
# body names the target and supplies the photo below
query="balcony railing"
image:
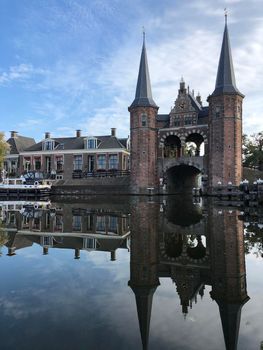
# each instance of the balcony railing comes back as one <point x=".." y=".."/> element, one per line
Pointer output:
<point x="79" y="174"/>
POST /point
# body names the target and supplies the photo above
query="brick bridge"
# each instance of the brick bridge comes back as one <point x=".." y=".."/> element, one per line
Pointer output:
<point x="197" y="162"/>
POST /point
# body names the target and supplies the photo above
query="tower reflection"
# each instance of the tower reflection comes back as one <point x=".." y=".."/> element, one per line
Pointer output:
<point x="195" y="246"/>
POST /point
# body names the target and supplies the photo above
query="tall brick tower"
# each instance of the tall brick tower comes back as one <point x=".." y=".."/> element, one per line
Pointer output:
<point x="225" y="122"/>
<point x="143" y="111"/>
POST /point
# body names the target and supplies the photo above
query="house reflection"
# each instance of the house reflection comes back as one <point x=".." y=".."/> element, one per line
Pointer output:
<point x="193" y="254"/>
<point x="67" y="227"/>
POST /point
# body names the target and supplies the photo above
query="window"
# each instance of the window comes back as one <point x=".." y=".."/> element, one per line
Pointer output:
<point x="13" y="166"/>
<point x="59" y="163"/>
<point x="101" y="223"/>
<point x="76" y="223"/>
<point x="48" y="145"/>
<point x="176" y="121"/>
<point x="92" y="143"/>
<point x="46" y="241"/>
<point x="77" y="163"/>
<point x="27" y="163"/>
<point x="37" y="163"/>
<point x="144" y="120"/>
<point x="58" y="223"/>
<point x="187" y="120"/>
<point x="113" y="224"/>
<point x="113" y="161"/>
<point x="90" y="163"/>
<point x="101" y="162"/>
<point x="217" y="111"/>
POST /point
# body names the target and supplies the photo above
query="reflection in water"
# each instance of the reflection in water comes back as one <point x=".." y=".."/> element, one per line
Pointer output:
<point x="217" y="259"/>
<point x="193" y="245"/>
<point x="65" y="227"/>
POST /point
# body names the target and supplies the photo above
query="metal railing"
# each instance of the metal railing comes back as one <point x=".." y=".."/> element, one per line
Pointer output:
<point x="79" y="174"/>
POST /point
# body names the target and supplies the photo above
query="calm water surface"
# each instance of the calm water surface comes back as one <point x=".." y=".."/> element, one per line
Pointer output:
<point x="130" y="273"/>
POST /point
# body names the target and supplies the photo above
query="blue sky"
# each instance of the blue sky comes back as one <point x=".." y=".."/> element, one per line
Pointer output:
<point x="73" y="64"/>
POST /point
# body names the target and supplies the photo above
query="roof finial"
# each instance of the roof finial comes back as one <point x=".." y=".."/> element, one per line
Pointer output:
<point x="143" y="33"/>
<point x="225" y="9"/>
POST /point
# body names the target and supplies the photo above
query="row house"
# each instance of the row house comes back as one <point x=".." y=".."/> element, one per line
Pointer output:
<point x="62" y="157"/>
<point x="17" y="144"/>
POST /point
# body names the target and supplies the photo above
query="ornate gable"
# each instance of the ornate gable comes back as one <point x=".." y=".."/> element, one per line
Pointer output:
<point x="185" y="110"/>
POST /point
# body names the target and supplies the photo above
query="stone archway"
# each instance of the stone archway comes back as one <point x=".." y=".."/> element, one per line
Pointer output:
<point x="182" y="178"/>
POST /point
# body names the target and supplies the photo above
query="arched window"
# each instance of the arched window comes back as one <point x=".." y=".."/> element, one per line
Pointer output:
<point x="144" y="120"/>
<point x="172" y="147"/>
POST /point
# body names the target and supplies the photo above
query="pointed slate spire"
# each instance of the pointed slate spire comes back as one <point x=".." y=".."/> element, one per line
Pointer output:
<point x="144" y="298"/>
<point x="230" y="317"/>
<point x="225" y="81"/>
<point x="143" y="96"/>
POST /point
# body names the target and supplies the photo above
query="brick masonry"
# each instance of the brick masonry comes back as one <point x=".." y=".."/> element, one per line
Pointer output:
<point x="143" y="149"/>
<point x="225" y="139"/>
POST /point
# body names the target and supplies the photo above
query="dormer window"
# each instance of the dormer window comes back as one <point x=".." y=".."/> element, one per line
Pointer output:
<point x="48" y="145"/>
<point x="92" y="143"/>
<point x="46" y="241"/>
<point x="89" y="243"/>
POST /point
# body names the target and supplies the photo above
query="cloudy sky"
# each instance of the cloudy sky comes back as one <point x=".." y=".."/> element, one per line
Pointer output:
<point x="73" y="64"/>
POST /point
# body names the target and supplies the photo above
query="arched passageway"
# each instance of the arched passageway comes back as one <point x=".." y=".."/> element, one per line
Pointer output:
<point x="182" y="178"/>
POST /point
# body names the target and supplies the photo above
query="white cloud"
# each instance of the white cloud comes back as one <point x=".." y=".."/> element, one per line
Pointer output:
<point x="195" y="56"/>
<point x="16" y="73"/>
<point x="91" y="89"/>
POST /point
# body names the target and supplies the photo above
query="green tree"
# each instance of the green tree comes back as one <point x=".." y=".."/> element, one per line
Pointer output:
<point x="190" y="149"/>
<point x="253" y="240"/>
<point x="253" y="150"/>
<point x="4" y="147"/>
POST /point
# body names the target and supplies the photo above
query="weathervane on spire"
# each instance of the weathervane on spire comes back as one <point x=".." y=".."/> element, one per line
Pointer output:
<point x="225" y="9"/>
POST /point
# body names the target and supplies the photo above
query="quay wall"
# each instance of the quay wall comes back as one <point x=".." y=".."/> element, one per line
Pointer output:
<point x="93" y="186"/>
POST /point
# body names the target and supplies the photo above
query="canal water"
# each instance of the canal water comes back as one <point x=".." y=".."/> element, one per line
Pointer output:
<point x="130" y="273"/>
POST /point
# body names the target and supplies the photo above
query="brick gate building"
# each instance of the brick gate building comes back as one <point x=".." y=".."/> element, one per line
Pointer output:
<point x="193" y="145"/>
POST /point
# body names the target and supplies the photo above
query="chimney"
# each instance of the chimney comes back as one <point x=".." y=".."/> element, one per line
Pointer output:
<point x="78" y="133"/>
<point x="182" y="84"/>
<point x="47" y="135"/>
<point x="113" y="255"/>
<point x="198" y="99"/>
<point x="13" y="133"/>
<point x="113" y="132"/>
<point x="77" y="254"/>
<point x="11" y="251"/>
